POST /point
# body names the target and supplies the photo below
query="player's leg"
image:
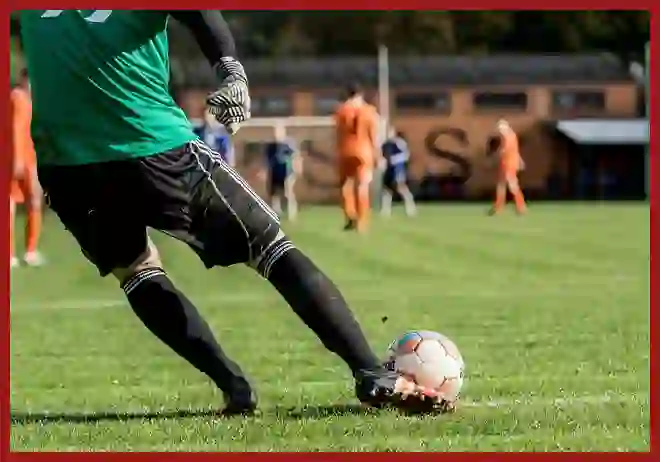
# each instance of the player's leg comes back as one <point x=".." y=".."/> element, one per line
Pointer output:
<point x="290" y="196"/>
<point x="107" y="219"/>
<point x="34" y="202"/>
<point x="275" y="193"/>
<point x="387" y="194"/>
<point x="362" y="188"/>
<point x="13" y="261"/>
<point x="231" y="224"/>
<point x="175" y="320"/>
<point x="348" y="196"/>
<point x="500" y="194"/>
<point x="514" y="187"/>
<point x="405" y="193"/>
<point x="386" y="202"/>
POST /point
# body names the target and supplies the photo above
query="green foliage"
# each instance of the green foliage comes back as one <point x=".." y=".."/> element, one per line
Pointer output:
<point x="410" y="32"/>
<point x="295" y="33"/>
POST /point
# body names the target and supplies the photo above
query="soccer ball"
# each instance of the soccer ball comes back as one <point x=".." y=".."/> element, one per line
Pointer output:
<point x="431" y="360"/>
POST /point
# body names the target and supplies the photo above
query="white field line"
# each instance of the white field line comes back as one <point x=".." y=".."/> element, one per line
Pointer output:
<point x="558" y="402"/>
<point x="371" y="295"/>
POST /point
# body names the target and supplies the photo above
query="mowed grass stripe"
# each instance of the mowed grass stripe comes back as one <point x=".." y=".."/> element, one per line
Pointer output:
<point x="550" y="311"/>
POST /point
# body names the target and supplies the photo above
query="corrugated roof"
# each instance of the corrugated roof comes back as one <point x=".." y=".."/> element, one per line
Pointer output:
<point x="430" y="70"/>
<point x="602" y="131"/>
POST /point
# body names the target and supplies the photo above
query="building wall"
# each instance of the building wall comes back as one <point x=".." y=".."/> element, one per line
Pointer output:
<point x="448" y="131"/>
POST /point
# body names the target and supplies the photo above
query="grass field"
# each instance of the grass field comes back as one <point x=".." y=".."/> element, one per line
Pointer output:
<point x="550" y="311"/>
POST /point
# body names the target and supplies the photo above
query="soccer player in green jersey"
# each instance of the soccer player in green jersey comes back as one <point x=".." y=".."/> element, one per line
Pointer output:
<point x="116" y="156"/>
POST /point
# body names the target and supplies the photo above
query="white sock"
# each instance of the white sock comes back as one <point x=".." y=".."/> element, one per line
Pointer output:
<point x="386" y="204"/>
<point x="409" y="203"/>
<point x="292" y="207"/>
<point x="276" y="204"/>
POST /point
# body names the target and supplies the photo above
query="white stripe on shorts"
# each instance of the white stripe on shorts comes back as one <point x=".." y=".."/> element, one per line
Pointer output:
<point x="197" y="147"/>
<point x="219" y="161"/>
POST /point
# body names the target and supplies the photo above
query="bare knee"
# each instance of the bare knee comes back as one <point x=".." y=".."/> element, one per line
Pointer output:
<point x="362" y="185"/>
<point x="150" y="258"/>
<point x="34" y="202"/>
<point x="513" y="184"/>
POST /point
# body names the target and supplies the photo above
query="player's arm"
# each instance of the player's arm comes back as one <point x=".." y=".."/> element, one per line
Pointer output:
<point x="20" y="127"/>
<point x="521" y="162"/>
<point x="231" y="103"/>
<point x="338" y="126"/>
<point x="500" y="148"/>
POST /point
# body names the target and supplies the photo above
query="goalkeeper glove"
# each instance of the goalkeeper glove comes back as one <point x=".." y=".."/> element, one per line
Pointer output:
<point x="230" y="104"/>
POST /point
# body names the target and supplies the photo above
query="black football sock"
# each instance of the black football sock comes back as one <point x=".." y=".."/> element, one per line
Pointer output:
<point x="171" y="317"/>
<point x="318" y="302"/>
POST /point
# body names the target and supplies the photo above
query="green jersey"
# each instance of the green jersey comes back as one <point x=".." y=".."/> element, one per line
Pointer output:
<point x="99" y="83"/>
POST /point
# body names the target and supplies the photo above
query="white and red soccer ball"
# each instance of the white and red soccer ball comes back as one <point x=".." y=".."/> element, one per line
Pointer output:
<point x="431" y="360"/>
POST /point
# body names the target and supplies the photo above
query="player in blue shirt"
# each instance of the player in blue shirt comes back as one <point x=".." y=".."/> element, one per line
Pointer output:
<point x="216" y="137"/>
<point x="284" y="165"/>
<point x="396" y="156"/>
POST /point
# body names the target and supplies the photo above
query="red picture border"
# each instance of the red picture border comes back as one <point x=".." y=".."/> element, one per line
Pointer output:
<point x="8" y="6"/>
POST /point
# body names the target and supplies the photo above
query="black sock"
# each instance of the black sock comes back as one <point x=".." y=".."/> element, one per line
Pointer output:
<point x="318" y="302"/>
<point x="171" y="317"/>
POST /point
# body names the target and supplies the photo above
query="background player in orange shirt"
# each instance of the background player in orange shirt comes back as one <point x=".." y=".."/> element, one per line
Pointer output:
<point x="509" y="164"/>
<point x="25" y="186"/>
<point x="356" y="123"/>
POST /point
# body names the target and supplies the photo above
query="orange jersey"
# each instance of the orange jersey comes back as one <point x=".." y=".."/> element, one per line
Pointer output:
<point x="509" y="151"/>
<point x="356" y="130"/>
<point x="22" y="148"/>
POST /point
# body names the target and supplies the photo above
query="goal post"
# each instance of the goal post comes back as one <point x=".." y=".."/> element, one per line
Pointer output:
<point x="315" y="138"/>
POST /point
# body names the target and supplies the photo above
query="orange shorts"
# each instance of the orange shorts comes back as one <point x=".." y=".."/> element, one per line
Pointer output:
<point x="355" y="167"/>
<point x="25" y="187"/>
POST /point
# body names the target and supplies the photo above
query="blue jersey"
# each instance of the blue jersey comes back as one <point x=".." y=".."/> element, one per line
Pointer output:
<point x="279" y="155"/>
<point x="396" y="153"/>
<point x="217" y="138"/>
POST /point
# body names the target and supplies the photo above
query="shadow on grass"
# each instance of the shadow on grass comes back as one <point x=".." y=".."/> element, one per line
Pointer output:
<point x="280" y="413"/>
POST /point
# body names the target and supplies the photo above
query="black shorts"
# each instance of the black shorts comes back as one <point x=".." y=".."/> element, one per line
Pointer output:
<point x="188" y="193"/>
<point x="393" y="178"/>
<point x="277" y="183"/>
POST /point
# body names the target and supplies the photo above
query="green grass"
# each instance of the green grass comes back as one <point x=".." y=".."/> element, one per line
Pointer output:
<point x="550" y="311"/>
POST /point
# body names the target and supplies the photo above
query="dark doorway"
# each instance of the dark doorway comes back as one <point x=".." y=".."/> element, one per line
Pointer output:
<point x="613" y="172"/>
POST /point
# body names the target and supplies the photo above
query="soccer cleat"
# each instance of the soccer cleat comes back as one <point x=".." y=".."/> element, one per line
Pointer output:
<point x="14" y="262"/>
<point x="376" y="387"/>
<point x="34" y="259"/>
<point x="411" y="210"/>
<point x="383" y="387"/>
<point x="350" y="225"/>
<point x="240" y="405"/>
